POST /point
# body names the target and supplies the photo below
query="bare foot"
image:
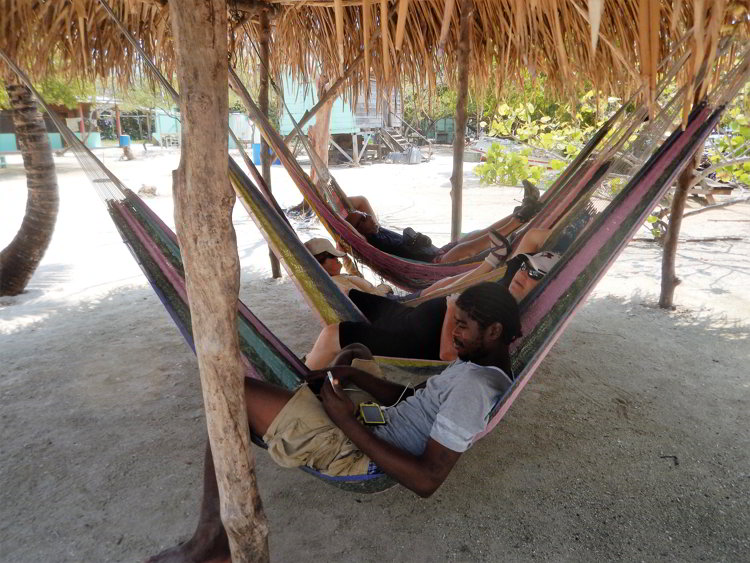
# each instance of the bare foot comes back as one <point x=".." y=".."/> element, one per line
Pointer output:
<point x="201" y="548"/>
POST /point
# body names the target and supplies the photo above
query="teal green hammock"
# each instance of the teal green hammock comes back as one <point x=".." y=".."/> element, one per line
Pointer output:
<point x="544" y="314"/>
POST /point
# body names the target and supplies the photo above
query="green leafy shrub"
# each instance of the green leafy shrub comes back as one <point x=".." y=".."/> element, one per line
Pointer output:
<point x="733" y="144"/>
<point x="506" y="167"/>
<point x="553" y="127"/>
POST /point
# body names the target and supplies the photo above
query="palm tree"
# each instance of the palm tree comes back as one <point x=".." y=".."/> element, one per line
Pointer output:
<point x="20" y="258"/>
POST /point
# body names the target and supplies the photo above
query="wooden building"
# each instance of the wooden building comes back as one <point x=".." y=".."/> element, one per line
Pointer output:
<point x="363" y="129"/>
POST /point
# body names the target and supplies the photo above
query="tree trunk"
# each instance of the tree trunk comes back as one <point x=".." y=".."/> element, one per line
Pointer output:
<point x="319" y="135"/>
<point x="669" y="279"/>
<point x="459" y="140"/>
<point x="20" y="258"/>
<point x="118" y="125"/>
<point x="148" y="126"/>
<point x="81" y="123"/>
<point x="265" y="158"/>
<point x="203" y="211"/>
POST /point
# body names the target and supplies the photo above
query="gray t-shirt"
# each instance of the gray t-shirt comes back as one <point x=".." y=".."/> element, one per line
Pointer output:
<point x="452" y="409"/>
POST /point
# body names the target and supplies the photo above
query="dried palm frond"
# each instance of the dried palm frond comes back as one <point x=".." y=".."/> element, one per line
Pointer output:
<point x="614" y="45"/>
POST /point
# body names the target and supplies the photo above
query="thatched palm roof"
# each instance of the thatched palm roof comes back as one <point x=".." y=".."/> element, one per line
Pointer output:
<point x="613" y="44"/>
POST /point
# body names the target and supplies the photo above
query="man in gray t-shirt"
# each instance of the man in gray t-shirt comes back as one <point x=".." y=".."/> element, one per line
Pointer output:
<point x="426" y="431"/>
<point x="451" y="409"/>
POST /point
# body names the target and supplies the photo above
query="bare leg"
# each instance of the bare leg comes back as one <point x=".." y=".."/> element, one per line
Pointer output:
<point x="506" y="226"/>
<point x="466" y="249"/>
<point x="325" y="349"/>
<point x="209" y="543"/>
<point x="496" y="226"/>
<point x="480" y="243"/>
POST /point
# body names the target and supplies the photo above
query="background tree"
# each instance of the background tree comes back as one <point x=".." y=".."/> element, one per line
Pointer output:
<point x="20" y="258"/>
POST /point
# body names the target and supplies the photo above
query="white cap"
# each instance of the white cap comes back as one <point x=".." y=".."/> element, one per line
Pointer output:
<point x="542" y="261"/>
<point x="319" y="245"/>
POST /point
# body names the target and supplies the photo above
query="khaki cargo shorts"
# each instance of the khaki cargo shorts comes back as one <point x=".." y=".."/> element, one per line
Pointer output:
<point x="302" y="434"/>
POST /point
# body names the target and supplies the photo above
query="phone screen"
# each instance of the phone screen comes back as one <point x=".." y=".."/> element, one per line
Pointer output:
<point x="372" y="414"/>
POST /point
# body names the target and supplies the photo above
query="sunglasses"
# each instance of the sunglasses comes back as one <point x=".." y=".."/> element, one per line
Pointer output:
<point x="323" y="256"/>
<point x="532" y="272"/>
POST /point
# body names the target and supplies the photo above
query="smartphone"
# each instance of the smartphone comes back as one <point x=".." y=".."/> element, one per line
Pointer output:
<point x="330" y="380"/>
<point x="371" y="413"/>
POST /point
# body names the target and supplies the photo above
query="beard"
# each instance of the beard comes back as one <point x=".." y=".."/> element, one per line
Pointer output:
<point x="466" y="354"/>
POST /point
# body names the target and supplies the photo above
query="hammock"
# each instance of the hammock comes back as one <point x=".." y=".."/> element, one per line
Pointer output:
<point x="324" y="299"/>
<point x="330" y="208"/>
<point x="555" y="300"/>
<point x="603" y="155"/>
<point x="331" y="204"/>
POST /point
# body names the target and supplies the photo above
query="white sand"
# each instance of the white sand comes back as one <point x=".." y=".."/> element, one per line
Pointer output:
<point x="630" y="443"/>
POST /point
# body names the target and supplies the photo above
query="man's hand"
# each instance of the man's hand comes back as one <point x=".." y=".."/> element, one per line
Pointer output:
<point x="336" y="404"/>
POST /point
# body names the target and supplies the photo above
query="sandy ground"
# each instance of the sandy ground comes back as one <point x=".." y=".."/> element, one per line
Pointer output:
<point x="630" y="443"/>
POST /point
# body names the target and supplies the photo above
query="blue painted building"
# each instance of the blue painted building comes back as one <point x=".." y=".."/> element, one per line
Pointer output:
<point x="359" y="121"/>
<point x="345" y="118"/>
<point x="8" y="141"/>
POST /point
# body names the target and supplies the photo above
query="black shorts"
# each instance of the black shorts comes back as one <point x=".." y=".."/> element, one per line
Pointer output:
<point x="395" y="329"/>
<point x="378" y="308"/>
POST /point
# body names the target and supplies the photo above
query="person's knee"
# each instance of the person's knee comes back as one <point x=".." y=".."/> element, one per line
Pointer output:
<point x="330" y="334"/>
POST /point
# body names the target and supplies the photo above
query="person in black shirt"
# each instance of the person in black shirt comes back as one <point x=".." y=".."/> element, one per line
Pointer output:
<point x="418" y="246"/>
<point x="395" y="329"/>
<point x="410" y="244"/>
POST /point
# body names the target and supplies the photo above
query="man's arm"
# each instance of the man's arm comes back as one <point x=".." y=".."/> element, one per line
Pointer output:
<point x="385" y="392"/>
<point x="422" y="474"/>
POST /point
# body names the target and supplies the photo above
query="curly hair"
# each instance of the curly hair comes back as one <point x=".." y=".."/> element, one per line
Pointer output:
<point x="489" y="303"/>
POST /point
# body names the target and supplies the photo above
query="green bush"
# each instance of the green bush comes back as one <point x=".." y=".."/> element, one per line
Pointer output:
<point x="506" y="167"/>
<point x="557" y="128"/>
<point x="734" y="142"/>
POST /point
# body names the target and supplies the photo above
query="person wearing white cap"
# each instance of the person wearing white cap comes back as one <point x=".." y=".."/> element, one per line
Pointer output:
<point x="328" y="257"/>
<point x="531" y="242"/>
<point x="533" y="268"/>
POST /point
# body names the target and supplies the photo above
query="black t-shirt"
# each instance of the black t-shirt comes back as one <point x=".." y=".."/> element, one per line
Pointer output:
<point x="396" y="329"/>
<point x="393" y="243"/>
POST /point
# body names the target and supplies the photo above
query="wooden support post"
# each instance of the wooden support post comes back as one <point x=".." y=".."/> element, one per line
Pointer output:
<point x="319" y="133"/>
<point x="342" y="151"/>
<point x="140" y="127"/>
<point x="118" y="127"/>
<point x="669" y="279"/>
<point x="265" y="157"/>
<point x="81" y="123"/>
<point x="355" y="149"/>
<point x="203" y="215"/>
<point x="457" y="178"/>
